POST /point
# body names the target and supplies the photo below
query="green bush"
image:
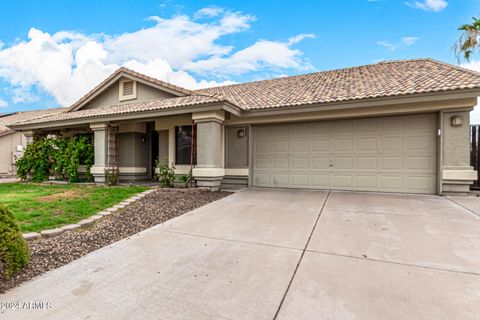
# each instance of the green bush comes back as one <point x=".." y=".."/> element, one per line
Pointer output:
<point x="56" y="155"/>
<point x="14" y="251"/>
<point x="165" y="174"/>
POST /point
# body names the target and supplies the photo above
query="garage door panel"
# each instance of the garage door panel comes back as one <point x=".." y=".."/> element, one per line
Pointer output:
<point x="342" y="181"/>
<point x="300" y="180"/>
<point x="320" y="145"/>
<point x="280" y="179"/>
<point x="394" y="154"/>
<point x="366" y="163"/>
<point x="300" y="146"/>
<point x="262" y="147"/>
<point x="366" y="144"/>
<point x="420" y="142"/>
<point x="421" y="163"/>
<point x="320" y="163"/>
<point x="280" y="163"/>
<point x="262" y="163"/>
<point x="391" y="183"/>
<point x="320" y="180"/>
<point x="342" y="144"/>
<point x="391" y="163"/>
<point x="419" y="183"/>
<point x="391" y="143"/>
<point x="343" y="163"/>
<point x="280" y="146"/>
<point x="366" y="182"/>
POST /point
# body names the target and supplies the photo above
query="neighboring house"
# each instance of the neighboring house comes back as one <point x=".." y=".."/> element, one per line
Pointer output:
<point x="400" y="126"/>
<point x="12" y="143"/>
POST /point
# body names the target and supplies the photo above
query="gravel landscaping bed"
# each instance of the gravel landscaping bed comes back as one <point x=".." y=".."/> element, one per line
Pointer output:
<point x="155" y="208"/>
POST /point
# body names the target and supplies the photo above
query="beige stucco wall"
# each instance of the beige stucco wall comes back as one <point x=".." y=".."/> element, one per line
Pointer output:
<point x="8" y="154"/>
<point x="111" y="96"/>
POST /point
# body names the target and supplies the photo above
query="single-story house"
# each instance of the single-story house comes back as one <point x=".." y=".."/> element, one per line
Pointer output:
<point x="395" y="126"/>
<point x="12" y="143"/>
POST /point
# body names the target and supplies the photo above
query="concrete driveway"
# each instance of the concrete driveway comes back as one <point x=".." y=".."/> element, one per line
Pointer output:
<point x="280" y="254"/>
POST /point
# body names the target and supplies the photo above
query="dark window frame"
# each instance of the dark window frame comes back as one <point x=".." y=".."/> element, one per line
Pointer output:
<point x="183" y="157"/>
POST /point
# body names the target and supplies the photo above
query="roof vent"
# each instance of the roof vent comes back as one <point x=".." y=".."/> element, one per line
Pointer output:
<point x="128" y="89"/>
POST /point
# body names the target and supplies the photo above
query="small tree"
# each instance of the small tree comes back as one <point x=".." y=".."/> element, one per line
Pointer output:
<point x="14" y="251"/>
<point x="468" y="43"/>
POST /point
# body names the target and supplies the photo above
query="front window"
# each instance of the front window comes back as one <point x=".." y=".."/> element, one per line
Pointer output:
<point x="183" y="145"/>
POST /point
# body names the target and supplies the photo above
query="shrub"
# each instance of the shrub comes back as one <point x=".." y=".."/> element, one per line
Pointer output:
<point x="14" y="251"/>
<point x="165" y="174"/>
<point x="56" y="154"/>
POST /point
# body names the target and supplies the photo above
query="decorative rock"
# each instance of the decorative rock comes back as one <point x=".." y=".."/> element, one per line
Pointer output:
<point x="105" y="213"/>
<point x="51" y="232"/>
<point x="119" y="206"/>
<point x="70" y="227"/>
<point x="86" y="222"/>
<point x="111" y="209"/>
<point x="31" y="235"/>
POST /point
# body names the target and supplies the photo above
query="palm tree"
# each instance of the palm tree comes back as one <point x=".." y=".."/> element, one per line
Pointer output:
<point x="468" y="43"/>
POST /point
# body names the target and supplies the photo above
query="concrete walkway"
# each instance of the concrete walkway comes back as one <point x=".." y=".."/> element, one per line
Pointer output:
<point x="279" y="254"/>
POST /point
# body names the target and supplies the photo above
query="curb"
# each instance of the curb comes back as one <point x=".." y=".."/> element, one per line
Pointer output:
<point x="87" y="221"/>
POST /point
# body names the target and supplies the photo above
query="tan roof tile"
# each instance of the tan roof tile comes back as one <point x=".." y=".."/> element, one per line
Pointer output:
<point x="25" y="116"/>
<point x="385" y="79"/>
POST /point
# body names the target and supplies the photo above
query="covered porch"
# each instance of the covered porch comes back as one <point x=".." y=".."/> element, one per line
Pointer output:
<point x="131" y="148"/>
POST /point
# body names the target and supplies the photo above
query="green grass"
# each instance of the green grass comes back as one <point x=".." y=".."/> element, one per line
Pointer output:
<point x="38" y="206"/>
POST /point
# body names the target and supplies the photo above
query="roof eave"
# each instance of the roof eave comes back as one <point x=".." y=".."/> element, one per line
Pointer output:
<point x="372" y="102"/>
<point x="220" y="105"/>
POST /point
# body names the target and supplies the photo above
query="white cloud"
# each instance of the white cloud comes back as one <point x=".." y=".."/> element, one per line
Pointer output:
<point x="263" y="54"/>
<point x="67" y="64"/>
<point x="300" y="37"/>
<point x="428" y="5"/>
<point x="3" y="103"/>
<point x="208" y="12"/>
<point x="403" y="43"/>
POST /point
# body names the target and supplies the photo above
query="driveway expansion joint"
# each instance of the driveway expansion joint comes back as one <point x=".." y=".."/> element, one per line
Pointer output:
<point x="394" y="262"/>
<point x="233" y="240"/>
<point x="301" y="256"/>
<point x="461" y="205"/>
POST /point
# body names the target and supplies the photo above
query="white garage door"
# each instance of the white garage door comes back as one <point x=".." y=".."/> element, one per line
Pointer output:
<point x="390" y="154"/>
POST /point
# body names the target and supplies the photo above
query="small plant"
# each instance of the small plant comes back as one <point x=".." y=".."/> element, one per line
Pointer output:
<point x="186" y="179"/>
<point x="165" y="174"/>
<point x="111" y="176"/>
<point x="14" y="251"/>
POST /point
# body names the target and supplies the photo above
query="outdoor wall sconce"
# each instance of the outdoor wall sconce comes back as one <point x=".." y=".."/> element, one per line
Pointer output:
<point x="456" y="121"/>
<point x="241" y="133"/>
<point x="142" y="139"/>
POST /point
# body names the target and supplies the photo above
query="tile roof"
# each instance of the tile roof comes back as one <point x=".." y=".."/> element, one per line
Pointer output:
<point x="25" y="116"/>
<point x="127" y="108"/>
<point x="380" y="80"/>
<point x="384" y="79"/>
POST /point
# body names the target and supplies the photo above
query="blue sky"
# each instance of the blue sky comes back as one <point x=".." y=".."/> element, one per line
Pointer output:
<point x="52" y="52"/>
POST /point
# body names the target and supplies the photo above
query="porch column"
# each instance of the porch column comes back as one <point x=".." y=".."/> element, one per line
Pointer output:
<point x="100" y="139"/>
<point x="456" y="173"/>
<point x="28" y="137"/>
<point x="209" y="170"/>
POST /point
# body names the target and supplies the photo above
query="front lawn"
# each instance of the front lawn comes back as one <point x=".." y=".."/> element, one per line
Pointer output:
<point x="38" y="206"/>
